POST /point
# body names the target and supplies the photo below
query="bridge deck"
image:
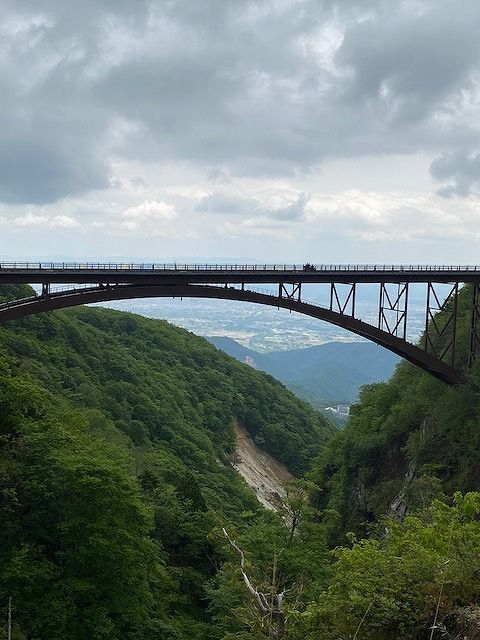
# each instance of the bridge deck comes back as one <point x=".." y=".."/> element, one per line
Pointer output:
<point x="157" y="273"/>
<point x="84" y="283"/>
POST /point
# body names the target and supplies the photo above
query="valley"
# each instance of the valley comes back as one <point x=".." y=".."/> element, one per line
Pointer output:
<point x="265" y="330"/>
<point x="323" y="374"/>
<point x="240" y="320"/>
<point x="128" y="445"/>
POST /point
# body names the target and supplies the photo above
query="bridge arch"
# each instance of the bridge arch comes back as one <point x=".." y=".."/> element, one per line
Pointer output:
<point x="106" y="293"/>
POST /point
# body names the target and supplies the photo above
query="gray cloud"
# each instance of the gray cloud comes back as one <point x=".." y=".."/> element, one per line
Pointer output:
<point x="38" y="168"/>
<point x="219" y="202"/>
<point x="222" y="202"/>
<point x="412" y="58"/>
<point x="256" y="88"/>
<point x="460" y="171"/>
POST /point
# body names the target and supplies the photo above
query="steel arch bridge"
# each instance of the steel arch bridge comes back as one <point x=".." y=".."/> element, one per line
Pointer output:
<point x="86" y="283"/>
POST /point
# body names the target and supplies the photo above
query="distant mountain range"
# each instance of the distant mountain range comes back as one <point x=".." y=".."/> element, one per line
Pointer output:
<point x="328" y="373"/>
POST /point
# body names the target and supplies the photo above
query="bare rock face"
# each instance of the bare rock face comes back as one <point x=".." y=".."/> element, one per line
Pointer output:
<point x="265" y="475"/>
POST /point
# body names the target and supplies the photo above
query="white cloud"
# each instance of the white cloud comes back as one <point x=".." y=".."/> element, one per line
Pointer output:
<point x="31" y="220"/>
<point x="394" y="217"/>
<point x="131" y="124"/>
<point x="148" y="215"/>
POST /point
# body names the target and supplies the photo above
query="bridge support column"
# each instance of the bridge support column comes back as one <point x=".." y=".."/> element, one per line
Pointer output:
<point x="393" y="309"/>
<point x="294" y="293"/>
<point x="341" y="301"/>
<point x="442" y="331"/>
<point x="474" y="348"/>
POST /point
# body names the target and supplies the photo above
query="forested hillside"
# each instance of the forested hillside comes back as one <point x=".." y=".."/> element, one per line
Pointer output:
<point x="408" y="441"/>
<point x="394" y="476"/>
<point x="115" y="467"/>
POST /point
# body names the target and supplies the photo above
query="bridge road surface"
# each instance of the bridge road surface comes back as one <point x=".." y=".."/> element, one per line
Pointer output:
<point x="178" y="274"/>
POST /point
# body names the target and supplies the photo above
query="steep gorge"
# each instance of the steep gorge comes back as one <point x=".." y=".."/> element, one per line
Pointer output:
<point x="117" y="448"/>
<point x="116" y="452"/>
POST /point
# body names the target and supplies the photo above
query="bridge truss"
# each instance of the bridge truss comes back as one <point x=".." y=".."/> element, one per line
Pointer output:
<point x="70" y="284"/>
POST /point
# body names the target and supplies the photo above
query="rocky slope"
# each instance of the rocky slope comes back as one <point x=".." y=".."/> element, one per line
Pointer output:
<point x="265" y="475"/>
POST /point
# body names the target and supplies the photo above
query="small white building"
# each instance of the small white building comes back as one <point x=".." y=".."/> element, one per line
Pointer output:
<point x="341" y="410"/>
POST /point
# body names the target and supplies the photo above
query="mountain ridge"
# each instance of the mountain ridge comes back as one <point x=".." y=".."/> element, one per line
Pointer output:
<point x="332" y="372"/>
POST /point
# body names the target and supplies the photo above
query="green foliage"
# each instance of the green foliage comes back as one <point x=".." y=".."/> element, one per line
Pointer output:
<point x="116" y="435"/>
<point x="284" y="552"/>
<point x="163" y="384"/>
<point x="73" y="522"/>
<point x="391" y="587"/>
<point x="14" y="292"/>
<point x="412" y="436"/>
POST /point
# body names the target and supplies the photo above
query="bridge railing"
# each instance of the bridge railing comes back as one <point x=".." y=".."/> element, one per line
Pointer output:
<point x="174" y="266"/>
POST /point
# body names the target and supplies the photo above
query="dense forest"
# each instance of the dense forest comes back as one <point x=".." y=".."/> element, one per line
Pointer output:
<point x="122" y="516"/>
<point x="115" y="471"/>
<point x="408" y="440"/>
<point x="393" y="475"/>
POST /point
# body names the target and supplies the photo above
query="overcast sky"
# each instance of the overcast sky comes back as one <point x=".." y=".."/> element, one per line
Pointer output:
<point x="321" y="130"/>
